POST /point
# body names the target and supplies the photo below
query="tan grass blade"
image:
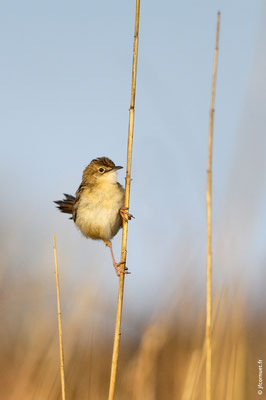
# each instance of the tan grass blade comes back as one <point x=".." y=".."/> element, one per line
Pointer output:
<point x="62" y="369"/>
<point x="146" y="363"/>
<point x="192" y="381"/>
<point x="209" y="220"/>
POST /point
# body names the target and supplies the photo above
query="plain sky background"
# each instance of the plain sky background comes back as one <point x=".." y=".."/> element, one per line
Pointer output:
<point x="65" y="92"/>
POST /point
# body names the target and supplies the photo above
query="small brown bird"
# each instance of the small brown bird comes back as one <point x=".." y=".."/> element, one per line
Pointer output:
<point x="97" y="209"/>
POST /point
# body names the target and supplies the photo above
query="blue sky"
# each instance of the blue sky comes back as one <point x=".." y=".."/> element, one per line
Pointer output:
<point x="65" y="93"/>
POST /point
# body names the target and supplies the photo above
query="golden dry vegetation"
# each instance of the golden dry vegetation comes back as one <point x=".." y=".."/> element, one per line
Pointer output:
<point x="161" y="357"/>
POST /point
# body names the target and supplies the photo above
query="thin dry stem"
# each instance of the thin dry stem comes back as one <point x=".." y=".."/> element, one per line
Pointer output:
<point x="209" y="220"/>
<point x="62" y="370"/>
<point x="126" y="205"/>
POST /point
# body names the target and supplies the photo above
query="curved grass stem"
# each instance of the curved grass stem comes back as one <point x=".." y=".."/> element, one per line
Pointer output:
<point x="208" y="334"/>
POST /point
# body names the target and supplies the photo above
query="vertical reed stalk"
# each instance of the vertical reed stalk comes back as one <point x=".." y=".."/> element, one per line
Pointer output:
<point x="209" y="223"/>
<point x="126" y="205"/>
<point x="62" y="371"/>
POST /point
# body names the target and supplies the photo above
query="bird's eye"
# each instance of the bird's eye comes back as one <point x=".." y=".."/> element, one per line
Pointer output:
<point x="101" y="170"/>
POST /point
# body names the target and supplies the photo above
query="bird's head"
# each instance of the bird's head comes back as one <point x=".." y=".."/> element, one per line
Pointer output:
<point x="101" y="170"/>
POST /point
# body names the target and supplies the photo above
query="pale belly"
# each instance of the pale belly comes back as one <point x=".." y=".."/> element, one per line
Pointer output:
<point x="98" y="216"/>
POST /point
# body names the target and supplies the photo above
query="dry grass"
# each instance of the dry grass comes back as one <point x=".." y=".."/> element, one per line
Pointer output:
<point x="164" y="359"/>
<point x="60" y="333"/>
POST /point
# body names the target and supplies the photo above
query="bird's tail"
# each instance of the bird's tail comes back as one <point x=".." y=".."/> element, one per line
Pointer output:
<point x="66" y="205"/>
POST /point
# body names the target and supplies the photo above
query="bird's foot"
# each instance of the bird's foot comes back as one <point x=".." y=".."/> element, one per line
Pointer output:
<point x="118" y="270"/>
<point x="125" y="214"/>
<point x="116" y="265"/>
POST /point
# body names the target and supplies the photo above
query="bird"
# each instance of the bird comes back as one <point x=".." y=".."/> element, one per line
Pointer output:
<point x="97" y="208"/>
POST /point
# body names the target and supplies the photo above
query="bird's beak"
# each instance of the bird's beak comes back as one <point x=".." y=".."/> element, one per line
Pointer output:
<point x="117" y="167"/>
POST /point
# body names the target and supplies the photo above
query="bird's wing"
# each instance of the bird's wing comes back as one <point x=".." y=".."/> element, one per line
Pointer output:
<point x="77" y="200"/>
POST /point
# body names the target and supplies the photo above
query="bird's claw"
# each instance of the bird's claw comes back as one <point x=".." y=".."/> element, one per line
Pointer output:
<point x="125" y="214"/>
<point x="118" y="269"/>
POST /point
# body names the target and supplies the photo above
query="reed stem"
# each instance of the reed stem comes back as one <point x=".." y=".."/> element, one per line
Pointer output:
<point x="62" y="368"/>
<point x="126" y="205"/>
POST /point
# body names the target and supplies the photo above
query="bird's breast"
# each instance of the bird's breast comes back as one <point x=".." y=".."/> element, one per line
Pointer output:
<point x="98" y="214"/>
